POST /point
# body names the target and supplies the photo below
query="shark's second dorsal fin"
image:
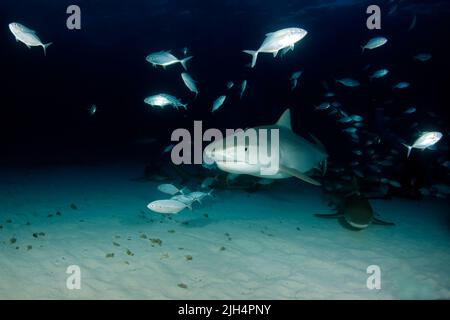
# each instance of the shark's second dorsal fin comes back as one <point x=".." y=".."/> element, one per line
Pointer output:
<point x="285" y="120"/>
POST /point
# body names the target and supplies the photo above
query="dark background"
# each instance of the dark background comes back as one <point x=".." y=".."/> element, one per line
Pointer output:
<point x="44" y="100"/>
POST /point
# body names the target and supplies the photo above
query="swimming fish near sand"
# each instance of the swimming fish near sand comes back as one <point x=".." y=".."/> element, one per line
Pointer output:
<point x="199" y="195"/>
<point x="169" y="189"/>
<point x="167" y="206"/>
<point x="27" y="36"/>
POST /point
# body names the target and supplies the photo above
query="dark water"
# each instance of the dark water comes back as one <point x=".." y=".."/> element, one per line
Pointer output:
<point x="72" y="185"/>
<point x="44" y="99"/>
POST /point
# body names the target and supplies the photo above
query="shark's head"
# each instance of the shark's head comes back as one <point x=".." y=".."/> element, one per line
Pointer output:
<point x="241" y="153"/>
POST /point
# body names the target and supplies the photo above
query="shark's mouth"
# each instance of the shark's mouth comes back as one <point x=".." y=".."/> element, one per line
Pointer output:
<point x="358" y="225"/>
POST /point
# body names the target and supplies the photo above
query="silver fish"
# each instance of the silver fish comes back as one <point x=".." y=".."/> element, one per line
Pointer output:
<point x="374" y="43"/>
<point x="189" y="82"/>
<point x="218" y="103"/>
<point x="410" y="110"/>
<point x="165" y="58"/>
<point x="27" y="36"/>
<point x="348" y="82"/>
<point x="276" y="41"/>
<point x="426" y="140"/>
<point x="401" y="85"/>
<point x="163" y="99"/>
<point x="167" y="206"/>
<point x="243" y="87"/>
<point x="423" y="57"/>
<point x="379" y="74"/>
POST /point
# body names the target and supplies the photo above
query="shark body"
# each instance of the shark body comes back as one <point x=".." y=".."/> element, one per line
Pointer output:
<point x="297" y="156"/>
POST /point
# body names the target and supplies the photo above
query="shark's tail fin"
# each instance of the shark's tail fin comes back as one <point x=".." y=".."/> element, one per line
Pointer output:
<point x="409" y="149"/>
<point x="254" y="55"/>
<point x="45" y="46"/>
<point x="183" y="61"/>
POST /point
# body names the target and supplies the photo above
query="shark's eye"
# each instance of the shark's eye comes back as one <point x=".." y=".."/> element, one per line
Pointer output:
<point x="246" y="149"/>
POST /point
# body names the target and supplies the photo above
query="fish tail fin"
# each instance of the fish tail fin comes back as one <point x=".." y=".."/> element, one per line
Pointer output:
<point x="45" y="46"/>
<point x="409" y="149"/>
<point x="185" y="105"/>
<point x="183" y="61"/>
<point x="254" y="55"/>
<point x="210" y="193"/>
<point x="362" y="49"/>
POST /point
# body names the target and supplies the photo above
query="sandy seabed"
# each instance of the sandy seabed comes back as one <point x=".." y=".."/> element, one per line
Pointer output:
<point x="239" y="245"/>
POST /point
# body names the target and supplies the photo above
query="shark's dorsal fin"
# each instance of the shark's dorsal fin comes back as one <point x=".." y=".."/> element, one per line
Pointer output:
<point x="285" y="120"/>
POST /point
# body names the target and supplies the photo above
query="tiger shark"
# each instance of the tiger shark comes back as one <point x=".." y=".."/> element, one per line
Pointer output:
<point x="296" y="156"/>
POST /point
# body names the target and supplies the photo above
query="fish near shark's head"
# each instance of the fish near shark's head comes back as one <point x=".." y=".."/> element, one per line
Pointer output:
<point x="239" y="153"/>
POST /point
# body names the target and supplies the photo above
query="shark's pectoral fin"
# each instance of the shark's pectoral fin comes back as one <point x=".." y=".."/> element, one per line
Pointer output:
<point x="329" y="215"/>
<point x="382" y="223"/>
<point x="299" y="175"/>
